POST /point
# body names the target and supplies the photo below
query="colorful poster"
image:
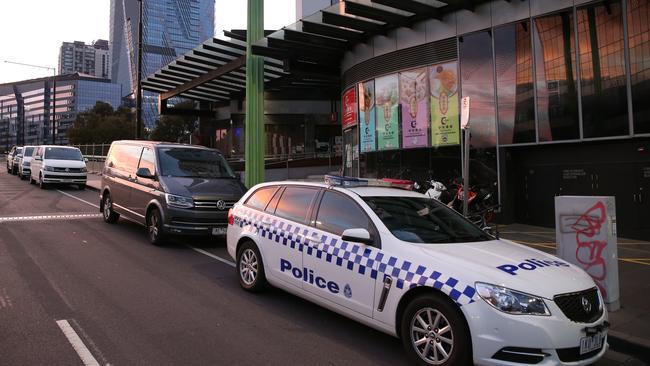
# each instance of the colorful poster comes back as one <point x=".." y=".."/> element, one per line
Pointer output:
<point x="387" y="112"/>
<point x="414" y="99"/>
<point x="349" y="108"/>
<point x="443" y="86"/>
<point x="367" y="117"/>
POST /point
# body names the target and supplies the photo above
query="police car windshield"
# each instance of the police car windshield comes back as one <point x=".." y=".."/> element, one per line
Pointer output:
<point x="193" y="163"/>
<point x="423" y="220"/>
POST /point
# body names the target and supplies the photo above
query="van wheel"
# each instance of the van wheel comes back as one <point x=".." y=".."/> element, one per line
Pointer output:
<point x="109" y="215"/>
<point x="31" y="180"/>
<point x="250" y="268"/>
<point x="155" y="227"/>
<point x="433" y="332"/>
<point x="41" y="184"/>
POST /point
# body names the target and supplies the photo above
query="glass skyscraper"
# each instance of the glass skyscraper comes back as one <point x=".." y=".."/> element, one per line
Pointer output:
<point x="171" y="28"/>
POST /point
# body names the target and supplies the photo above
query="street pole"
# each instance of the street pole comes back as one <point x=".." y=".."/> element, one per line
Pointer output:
<point x="255" y="149"/>
<point x="138" y="96"/>
<point x="466" y="138"/>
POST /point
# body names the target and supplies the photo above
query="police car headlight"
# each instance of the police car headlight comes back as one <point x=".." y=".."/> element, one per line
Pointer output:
<point x="179" y="201"/>
<point x="511" y="301"/>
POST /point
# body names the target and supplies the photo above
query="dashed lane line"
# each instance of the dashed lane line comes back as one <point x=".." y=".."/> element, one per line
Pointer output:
<point x="49" y="217"/>
<point x="84" y="354"/>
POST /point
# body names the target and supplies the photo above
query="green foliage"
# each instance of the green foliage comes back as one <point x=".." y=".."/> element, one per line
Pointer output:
<point x="102" y="125"/>
<point x="175" y="128"/>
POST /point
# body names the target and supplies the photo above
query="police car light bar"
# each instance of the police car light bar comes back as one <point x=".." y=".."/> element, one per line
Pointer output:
<point x="350" y="182"/>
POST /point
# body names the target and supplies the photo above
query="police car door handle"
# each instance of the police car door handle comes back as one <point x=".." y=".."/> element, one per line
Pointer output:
<point x="266" y="221"/>
<point x="312" y="242"/>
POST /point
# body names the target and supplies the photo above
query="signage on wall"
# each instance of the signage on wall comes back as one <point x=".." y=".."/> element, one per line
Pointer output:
<point x="443" y="90"/>
<point x="414" y="101"/>
<point x="387" y="112"/>
<point x="464" y="113"/>
<point x="349" y="108"/>
<point x="367" y="117"/>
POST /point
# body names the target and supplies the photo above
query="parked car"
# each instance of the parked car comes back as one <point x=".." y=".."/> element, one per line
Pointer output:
<point x="12" y="159"/>
<point x="58" y="164"/>
<point x="169" y="188"/>
<point x="24" y="163"/>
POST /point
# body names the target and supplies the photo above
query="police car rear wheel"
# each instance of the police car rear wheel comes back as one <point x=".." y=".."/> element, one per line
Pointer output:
<point x="434" y="333"/>
<point x="250" y="268"/>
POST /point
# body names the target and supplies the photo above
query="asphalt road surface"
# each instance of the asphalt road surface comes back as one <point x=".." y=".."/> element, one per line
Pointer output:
<point x="74" y="289"/>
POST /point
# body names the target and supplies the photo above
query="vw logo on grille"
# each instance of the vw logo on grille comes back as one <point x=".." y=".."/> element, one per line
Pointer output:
<point x="221" y="205"/>
<point x="586" y="304"/>
<point x="67" y="169"/>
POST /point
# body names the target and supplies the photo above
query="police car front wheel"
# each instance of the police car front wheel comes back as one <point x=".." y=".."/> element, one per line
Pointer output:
<point x="250" y="267"/>
<point x="434" y="333"/>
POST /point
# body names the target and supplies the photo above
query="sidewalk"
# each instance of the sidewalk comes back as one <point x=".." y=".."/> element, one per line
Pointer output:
<point x="630" y="325"/>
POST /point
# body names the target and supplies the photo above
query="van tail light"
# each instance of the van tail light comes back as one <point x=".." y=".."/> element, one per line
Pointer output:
<point x="231" y="217"/>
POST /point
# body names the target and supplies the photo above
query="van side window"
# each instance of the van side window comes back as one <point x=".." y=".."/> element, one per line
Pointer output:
<point x="261" y="198"/>
<point x="126" y="157"/>
<point x="295" y="202"/>
<point x="148" y="160"/>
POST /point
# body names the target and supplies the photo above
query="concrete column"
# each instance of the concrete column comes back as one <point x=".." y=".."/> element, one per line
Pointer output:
<point x="255" y="140"/>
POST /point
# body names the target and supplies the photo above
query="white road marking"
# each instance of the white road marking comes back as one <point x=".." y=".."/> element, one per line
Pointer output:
<point x="222" y="260"/>
<point x="77" y="198"/>
<point x="49" y="217"/>
<point x="86" y="357"/>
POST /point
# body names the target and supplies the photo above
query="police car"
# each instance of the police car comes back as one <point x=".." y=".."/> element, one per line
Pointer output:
<point x="405" y="264"/>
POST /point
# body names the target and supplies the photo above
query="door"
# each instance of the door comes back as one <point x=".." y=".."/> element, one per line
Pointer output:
<point x="144" y="189"/>
<point x="339" y="272"/>
<point x="283" y="249"/>
<point x="120" y="177"/>
<point x="643" y="201"/>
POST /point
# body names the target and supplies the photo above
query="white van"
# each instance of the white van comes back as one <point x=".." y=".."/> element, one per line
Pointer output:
<point x="58" y="164"/>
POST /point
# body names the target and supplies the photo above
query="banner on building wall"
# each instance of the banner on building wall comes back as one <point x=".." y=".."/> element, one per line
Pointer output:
<point x="349" y="108"/>
<point x="367" y="117"/>
<point x="414" y="99"/>
<point x="386" y="100"/>
<point x="443" y="87"/>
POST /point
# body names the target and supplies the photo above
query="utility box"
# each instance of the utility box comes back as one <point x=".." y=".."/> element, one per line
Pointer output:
<point x="585" y="231"/>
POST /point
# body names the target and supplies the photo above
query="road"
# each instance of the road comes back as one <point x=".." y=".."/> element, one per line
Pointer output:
<point x="73" y="287"/>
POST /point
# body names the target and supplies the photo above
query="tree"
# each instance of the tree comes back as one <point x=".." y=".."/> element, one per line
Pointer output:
<point x="175" y="128"/>
<point x="102" y="125"/>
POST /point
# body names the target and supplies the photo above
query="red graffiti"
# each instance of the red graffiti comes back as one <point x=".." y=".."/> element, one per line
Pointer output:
<point x="589" y="250"/>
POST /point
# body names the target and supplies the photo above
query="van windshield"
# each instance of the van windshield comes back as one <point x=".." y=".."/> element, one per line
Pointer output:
<point x="28" y="151"/>
<point x="62" y="153"/>
<point x="193" y="163"/>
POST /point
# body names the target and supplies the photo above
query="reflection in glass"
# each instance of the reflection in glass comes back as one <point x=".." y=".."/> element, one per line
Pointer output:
<point x="555" y="70"/>
<point x="638" y="29"/>
<point x="514" y="71"/>
<point x="477" y="82"/>
<point x="602" y="70"/>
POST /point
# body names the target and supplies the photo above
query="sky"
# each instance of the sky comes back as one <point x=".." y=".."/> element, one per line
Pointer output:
<point x="31" y="31"/>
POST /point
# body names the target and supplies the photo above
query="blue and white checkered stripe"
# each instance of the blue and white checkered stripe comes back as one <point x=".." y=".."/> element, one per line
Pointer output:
<point x="363" y="260"/>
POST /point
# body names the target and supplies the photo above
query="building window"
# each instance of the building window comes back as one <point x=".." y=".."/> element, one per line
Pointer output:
<point x="602" y="70"/>
<point x="555" y="73"/>
<point x="638" y="32"/>
<point x="514" y="74"/>
<point x="477" y="82"/>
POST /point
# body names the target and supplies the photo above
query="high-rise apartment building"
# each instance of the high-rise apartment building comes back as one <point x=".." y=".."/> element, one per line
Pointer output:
<point x="170" y="29"/>
<point x="93" y="59"/>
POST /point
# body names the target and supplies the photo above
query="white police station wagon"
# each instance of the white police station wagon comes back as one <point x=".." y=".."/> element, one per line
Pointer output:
<point x="407" y="265"/>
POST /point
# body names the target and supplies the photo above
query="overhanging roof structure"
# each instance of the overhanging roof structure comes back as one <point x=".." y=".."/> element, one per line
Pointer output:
<point x="302" y="58"/>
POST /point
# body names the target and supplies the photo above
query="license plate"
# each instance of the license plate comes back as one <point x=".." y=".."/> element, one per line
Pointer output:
<point x="594" y="342"/>
<point x="219" y="230"/>
<point x="67" y="180"/>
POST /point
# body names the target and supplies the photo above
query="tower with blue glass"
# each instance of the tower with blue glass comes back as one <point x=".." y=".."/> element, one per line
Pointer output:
<point x="170" y="29"/>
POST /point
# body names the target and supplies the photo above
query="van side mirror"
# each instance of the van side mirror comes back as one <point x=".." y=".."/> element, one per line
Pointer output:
<point x="85" y="160"/>
<point x="357" y="236"/>
<point x="145" y="173"/>
<point x="38" y="158"/>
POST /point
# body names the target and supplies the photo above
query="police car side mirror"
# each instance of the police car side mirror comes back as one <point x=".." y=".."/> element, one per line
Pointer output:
<point x="357" y="236"/>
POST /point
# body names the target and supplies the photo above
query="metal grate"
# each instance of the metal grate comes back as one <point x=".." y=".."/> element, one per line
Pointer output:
<point x="213" y="205"/>
<point x="421" y="55"/>
<point x="580" y="307"/>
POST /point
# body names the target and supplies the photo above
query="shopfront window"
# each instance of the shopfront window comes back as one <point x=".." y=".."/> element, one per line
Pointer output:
<point x="514" y="74"/>
<point x="602" y="70"/>
<point x="555" y="73"/>
<point x="477" y="82"/>
<point x="638" y="32"/>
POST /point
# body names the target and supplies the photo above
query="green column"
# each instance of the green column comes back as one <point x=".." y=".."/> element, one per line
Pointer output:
<point x="254" y="132"/>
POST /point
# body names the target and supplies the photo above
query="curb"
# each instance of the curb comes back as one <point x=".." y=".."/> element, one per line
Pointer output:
<point x="629" y="345"/>
<point x="92" y="188"/>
